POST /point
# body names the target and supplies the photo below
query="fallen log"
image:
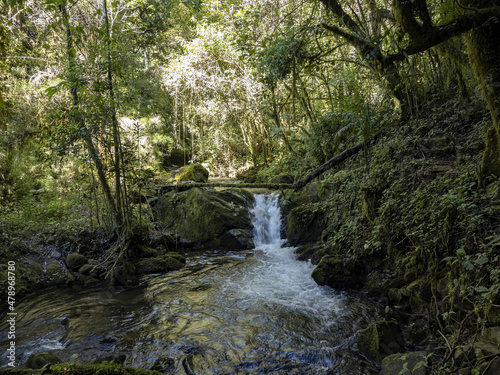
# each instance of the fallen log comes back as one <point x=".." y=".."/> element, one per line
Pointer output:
<point x="188" y="185"/>
<point x="329" y="164"/>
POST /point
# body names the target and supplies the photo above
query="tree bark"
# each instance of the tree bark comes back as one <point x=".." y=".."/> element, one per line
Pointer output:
<point x="483" y="46"/>
<point x="114" y="124"/>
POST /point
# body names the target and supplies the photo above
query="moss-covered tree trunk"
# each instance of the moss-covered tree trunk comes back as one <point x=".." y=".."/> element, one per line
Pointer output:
<point x="484" y="53"/>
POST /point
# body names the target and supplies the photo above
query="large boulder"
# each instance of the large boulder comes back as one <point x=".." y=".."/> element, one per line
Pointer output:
<point x="194" y="172"/>
<point x="339" y="272"/>
<point x="207" y="217"/>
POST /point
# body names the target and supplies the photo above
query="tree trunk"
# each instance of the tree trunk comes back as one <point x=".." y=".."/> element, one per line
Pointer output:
<point x="114" y="124"/>
<point x="483" y="45"/>
<point x="87" y="137"/>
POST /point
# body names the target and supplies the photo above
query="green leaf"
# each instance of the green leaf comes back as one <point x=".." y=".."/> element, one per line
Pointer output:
<point x="481" y="289"/>
<point x="468" y="265"/>
<point x="481" y="260"/>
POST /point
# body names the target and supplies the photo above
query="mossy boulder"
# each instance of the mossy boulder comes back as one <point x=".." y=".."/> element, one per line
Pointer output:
<point x="29" y="275"/>
<point x="75" y="260"/>
<point x="200" y="217"/>
<point x="136" y="251"/>
<point x="157" y="265"/>
<point x="194" y="172"/>
<point x="304" y="224"/>
<point x="124" y="274"/>
<point x="57" y="275"/>
<point x="39" y="360"/>
<point x="339" y="273"/>
<point x="414" y="362"/>
<point x="85" y="269"/>
<point x="380" y="339"/>
<point x="173" y="254"/>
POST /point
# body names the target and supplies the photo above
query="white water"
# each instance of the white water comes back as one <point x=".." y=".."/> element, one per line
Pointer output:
<point x="266" y="220"/>
<point x="279" y="278"/>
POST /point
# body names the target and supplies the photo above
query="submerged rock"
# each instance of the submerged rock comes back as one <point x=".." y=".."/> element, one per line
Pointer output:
<point x="39" y="360"/>
<point x="165" y="365"/>
<point x="157" y="265"/>
<point x="118" y="358"/>
<point x="206" y="217"/>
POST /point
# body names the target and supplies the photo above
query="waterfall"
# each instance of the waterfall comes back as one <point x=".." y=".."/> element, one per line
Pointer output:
<point x="266" y="220"/>
<point x="277" y="277"/>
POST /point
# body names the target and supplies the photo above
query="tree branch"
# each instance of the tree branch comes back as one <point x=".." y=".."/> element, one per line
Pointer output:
<point x="439" y="34"/>
<point x="346" y="20"/>
<point x="329" y="164"/>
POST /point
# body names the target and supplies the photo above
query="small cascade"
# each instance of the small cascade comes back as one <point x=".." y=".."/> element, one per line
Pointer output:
<point x="266" y="220"/>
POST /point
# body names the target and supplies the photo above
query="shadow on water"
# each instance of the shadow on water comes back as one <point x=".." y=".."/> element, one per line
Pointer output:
<point x="255" y="312"/>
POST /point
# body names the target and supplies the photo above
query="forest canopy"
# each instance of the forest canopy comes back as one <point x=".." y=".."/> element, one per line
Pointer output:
<point x="119" y="92"/>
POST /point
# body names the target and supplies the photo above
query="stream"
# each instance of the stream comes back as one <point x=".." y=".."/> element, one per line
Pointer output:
<point x="246" y="312"/>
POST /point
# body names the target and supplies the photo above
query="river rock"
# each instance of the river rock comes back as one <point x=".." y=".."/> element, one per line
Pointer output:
<point x="381" y="339"/>
<point x="413" y="363"/>
<point x="86" y="269"/>
<point x="157" y="265"/>
<point x="39" y="360"/>
<point x="200" y="217"/>
<point x="194" y="172"/>
<point x="75" y="260"/>
<point x="165" y="365"/>
<point x="339" y="273"/>
<point x="57" y="275"/>
<point x="173" y="254"/>
<point x="236" y="239"/>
